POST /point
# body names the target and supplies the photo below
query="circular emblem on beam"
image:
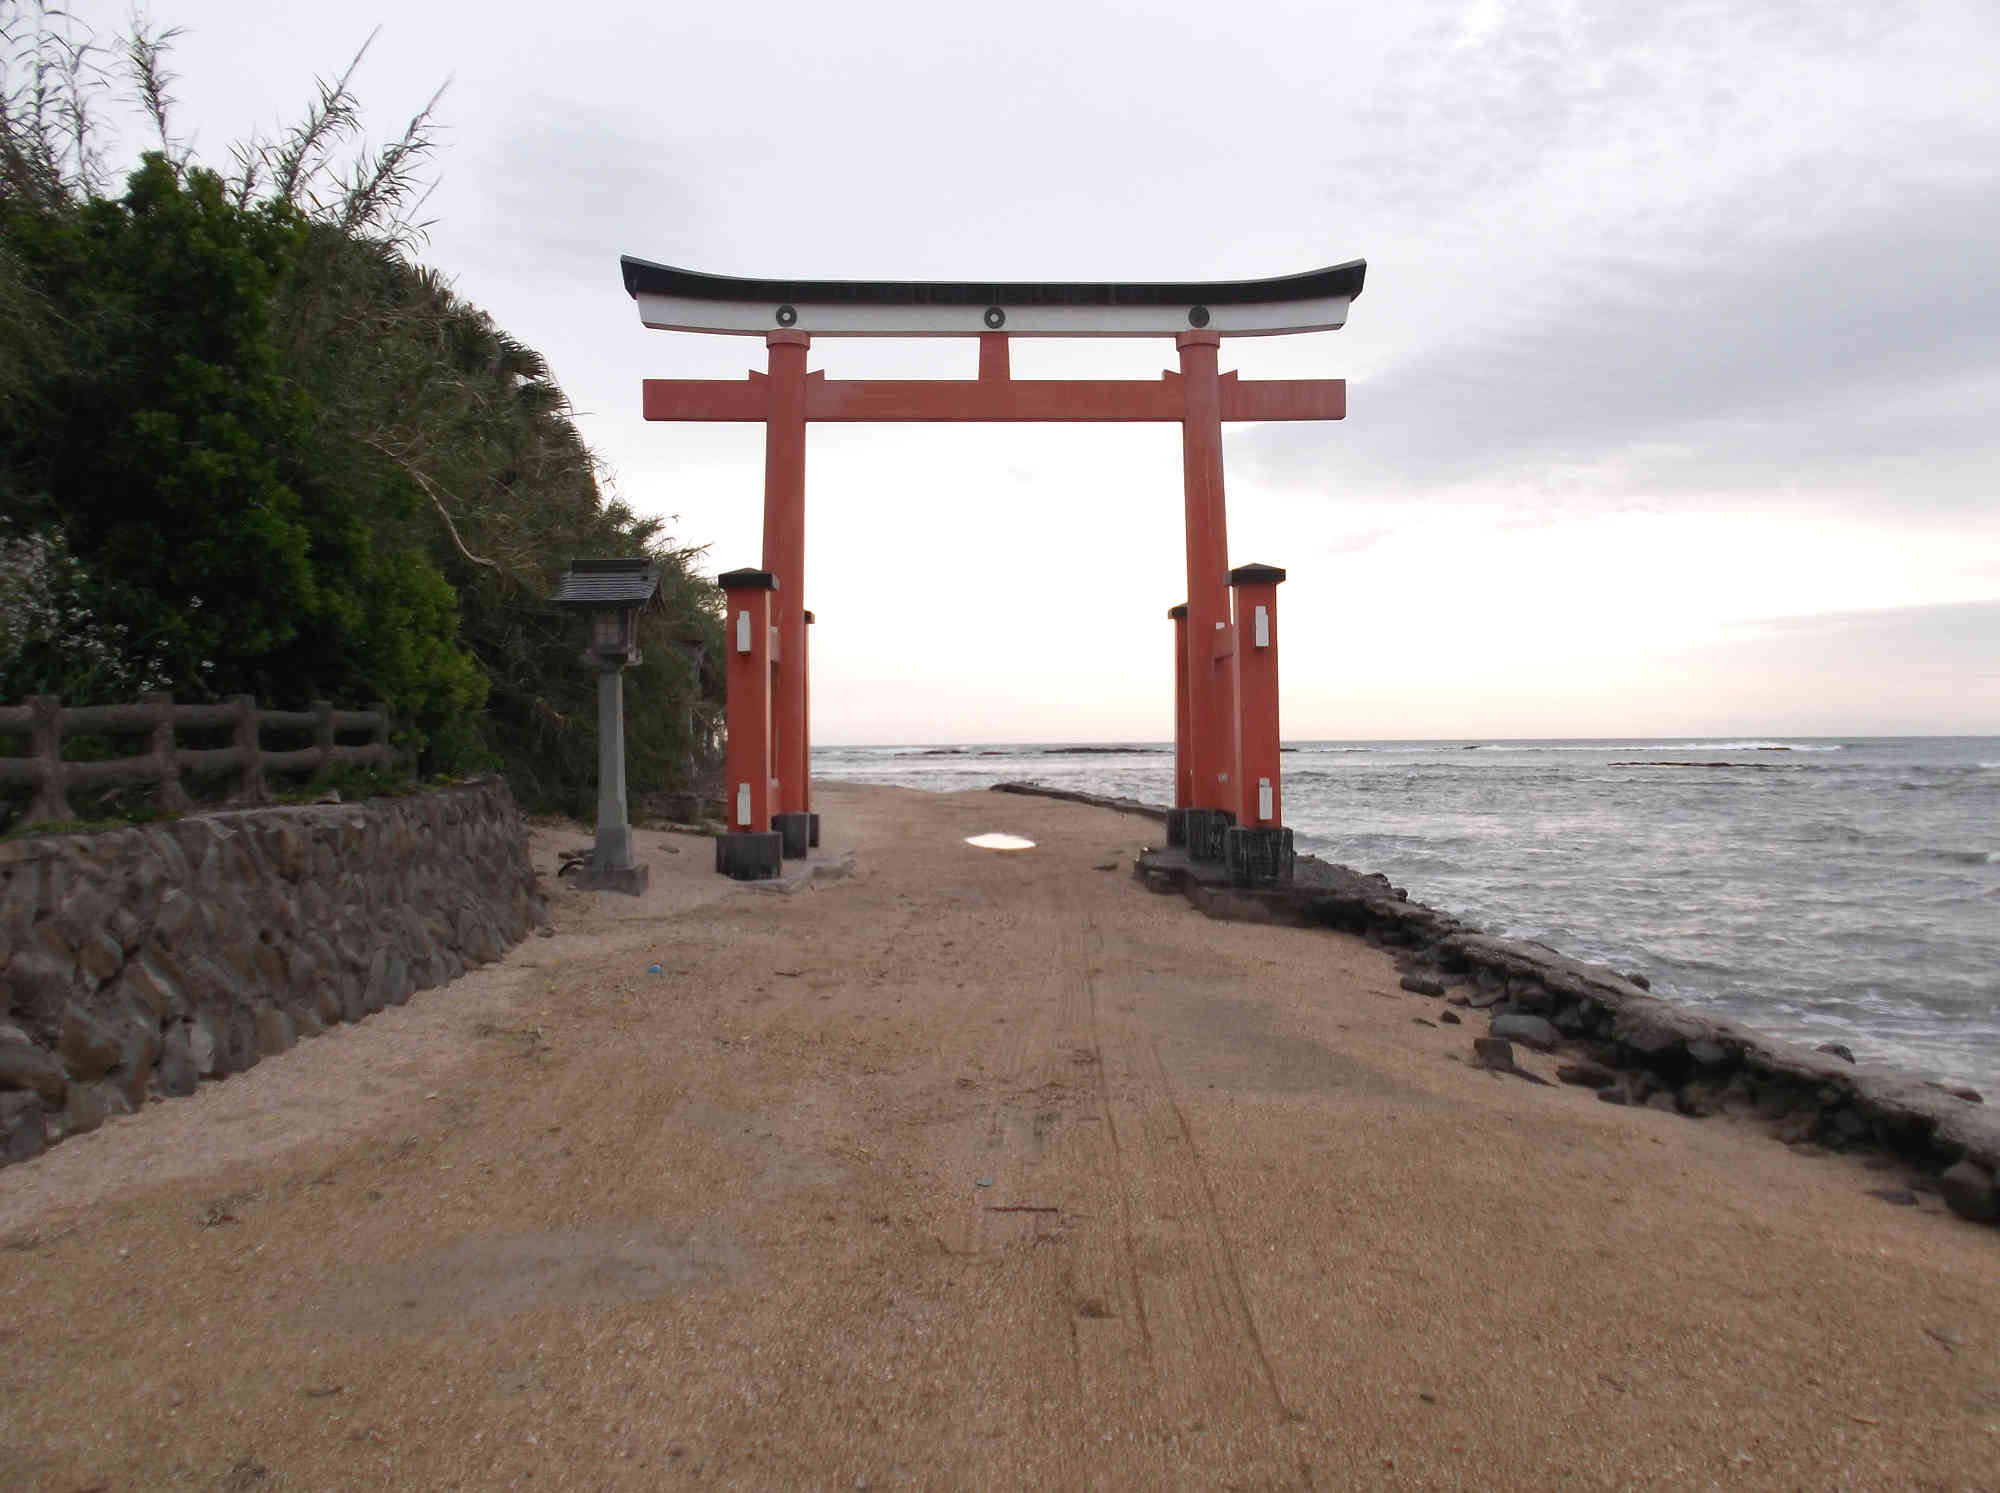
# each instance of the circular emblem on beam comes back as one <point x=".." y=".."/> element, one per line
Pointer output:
<point x="1198" y="316"/>
<point x="788" y="315"/>
<point x="995" y="318"/>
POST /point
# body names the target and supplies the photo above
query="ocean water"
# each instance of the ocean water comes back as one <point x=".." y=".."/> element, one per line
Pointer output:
<point x="1821" y="890"/>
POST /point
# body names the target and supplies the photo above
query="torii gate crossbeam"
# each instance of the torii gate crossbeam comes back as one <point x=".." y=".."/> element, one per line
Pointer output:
<point x="1211" y="732"/>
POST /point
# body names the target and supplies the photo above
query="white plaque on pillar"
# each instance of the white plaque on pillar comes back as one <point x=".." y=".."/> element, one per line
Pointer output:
<point x="1263" y="791"/>
<point x="1263" y="627"/>
<point x="743" y="804"/>
<point x="743" y="631"/>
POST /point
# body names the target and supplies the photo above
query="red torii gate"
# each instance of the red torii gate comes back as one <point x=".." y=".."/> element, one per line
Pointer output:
<point x="1226" y="700"/>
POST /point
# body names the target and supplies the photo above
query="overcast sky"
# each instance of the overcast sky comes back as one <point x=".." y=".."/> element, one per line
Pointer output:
<point x="1674" y="395"/>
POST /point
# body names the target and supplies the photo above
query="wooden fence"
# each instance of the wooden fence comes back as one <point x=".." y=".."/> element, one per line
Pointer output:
<point x="45" y="722"/>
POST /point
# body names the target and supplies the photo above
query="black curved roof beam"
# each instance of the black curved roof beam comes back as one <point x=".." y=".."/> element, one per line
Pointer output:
<point x="678" y="300"/>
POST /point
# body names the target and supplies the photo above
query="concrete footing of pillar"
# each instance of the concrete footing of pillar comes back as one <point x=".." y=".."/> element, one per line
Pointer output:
<point x="750" y="855"/>
<point x="1258" y="855"/>
<point x="795" y="831"/>
<point x="1176" y="828"/>
<point x="630" y="880"/>
<point x="1204" y="829"/>
<point x="812" y="836"/>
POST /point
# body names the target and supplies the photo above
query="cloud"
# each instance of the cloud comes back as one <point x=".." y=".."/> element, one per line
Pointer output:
<point x="1665" y="253"/>
<point x="1848" y="359"/>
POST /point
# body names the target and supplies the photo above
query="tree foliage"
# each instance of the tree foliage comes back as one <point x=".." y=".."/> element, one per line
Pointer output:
<point x="274" y="454"/>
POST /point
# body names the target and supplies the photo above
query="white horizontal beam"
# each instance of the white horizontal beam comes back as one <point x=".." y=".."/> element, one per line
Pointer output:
<point x="668" y="313"/>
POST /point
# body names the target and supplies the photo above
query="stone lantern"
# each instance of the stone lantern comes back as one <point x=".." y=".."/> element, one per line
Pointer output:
<point x="612" y="592"/>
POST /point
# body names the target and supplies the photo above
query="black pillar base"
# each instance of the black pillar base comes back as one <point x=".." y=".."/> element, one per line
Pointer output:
<point x="750" y="855"/>
<point x="1258" y="856"/>
<point x="1176" y="827"/>
<point x="812" y="836"/>
<point x="1204" y="829"/>
<point x="796" y="831"/>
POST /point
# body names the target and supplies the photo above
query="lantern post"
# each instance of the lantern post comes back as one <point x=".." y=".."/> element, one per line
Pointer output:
<point x="612" y="592"/>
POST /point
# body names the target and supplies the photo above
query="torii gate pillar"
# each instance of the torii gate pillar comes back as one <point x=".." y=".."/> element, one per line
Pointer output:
<point x="751" y="849"/>
<point x="785" y="558"/>
<point x="1183" y="771"/>
<point x="1211" y="692"/>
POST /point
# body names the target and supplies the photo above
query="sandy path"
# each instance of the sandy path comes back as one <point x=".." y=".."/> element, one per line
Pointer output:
<point x="976" y="1170"/>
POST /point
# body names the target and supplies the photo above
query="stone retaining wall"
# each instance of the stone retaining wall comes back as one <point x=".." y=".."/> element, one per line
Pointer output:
<point x="136" y="962"/>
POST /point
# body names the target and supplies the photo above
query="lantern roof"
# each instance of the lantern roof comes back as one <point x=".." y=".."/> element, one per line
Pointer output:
<point x="607" y="583"/>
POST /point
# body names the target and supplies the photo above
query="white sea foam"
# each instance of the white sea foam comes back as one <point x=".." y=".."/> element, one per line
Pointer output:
<point x="1656" y="746"/>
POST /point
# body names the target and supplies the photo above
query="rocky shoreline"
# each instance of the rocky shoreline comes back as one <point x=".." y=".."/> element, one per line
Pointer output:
<point x="1632" y="1047"/>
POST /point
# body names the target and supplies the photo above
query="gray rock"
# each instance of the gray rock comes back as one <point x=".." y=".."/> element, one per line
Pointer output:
<point x="23" y="1130"/>
<point x="1798" y="1128"/>
<point x="148" y="980"/>
<point x="1706" y="1052"/>
<point x="128" y="930"/>
<point x="175" y="917"/>
<point x="83" y="912"/>
<point x="83" y="1109"/>
<point x="1635" y="978"/>
<point x="215" y="986"/>
<point x="1587" y="1074"/>
<point x="274" y="1030"/>
<point x="176" y="1075"/>
<point x="100" y="954"/>
<point x="1775" y="1101"/>
<point x="1969" y="1189"/>
<point x="1493" y="1052"/>
<point x="1531" y="1031"/>
<point x="350" y="999"/>
<point x="1702" y="1097"/>
<point x="1423" y="985"/>
<point x="24" y="1066"/>
<point x="89" y="1049"/>
<point x="1902" y="1197"/>
<point x="139" y="1051"/>
<point x="40" y="983"/>
<point x="1957" y="1091"/>
<point x="1530" y="997"/>
<point x="1650" y="1041"/>
<point x="203" y="1046"/>
<point x="1839" y="1049"/>
<point x="237" y="1049"/>
<point x="1449" y="1017"/>
<point x="375" y="994"/>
